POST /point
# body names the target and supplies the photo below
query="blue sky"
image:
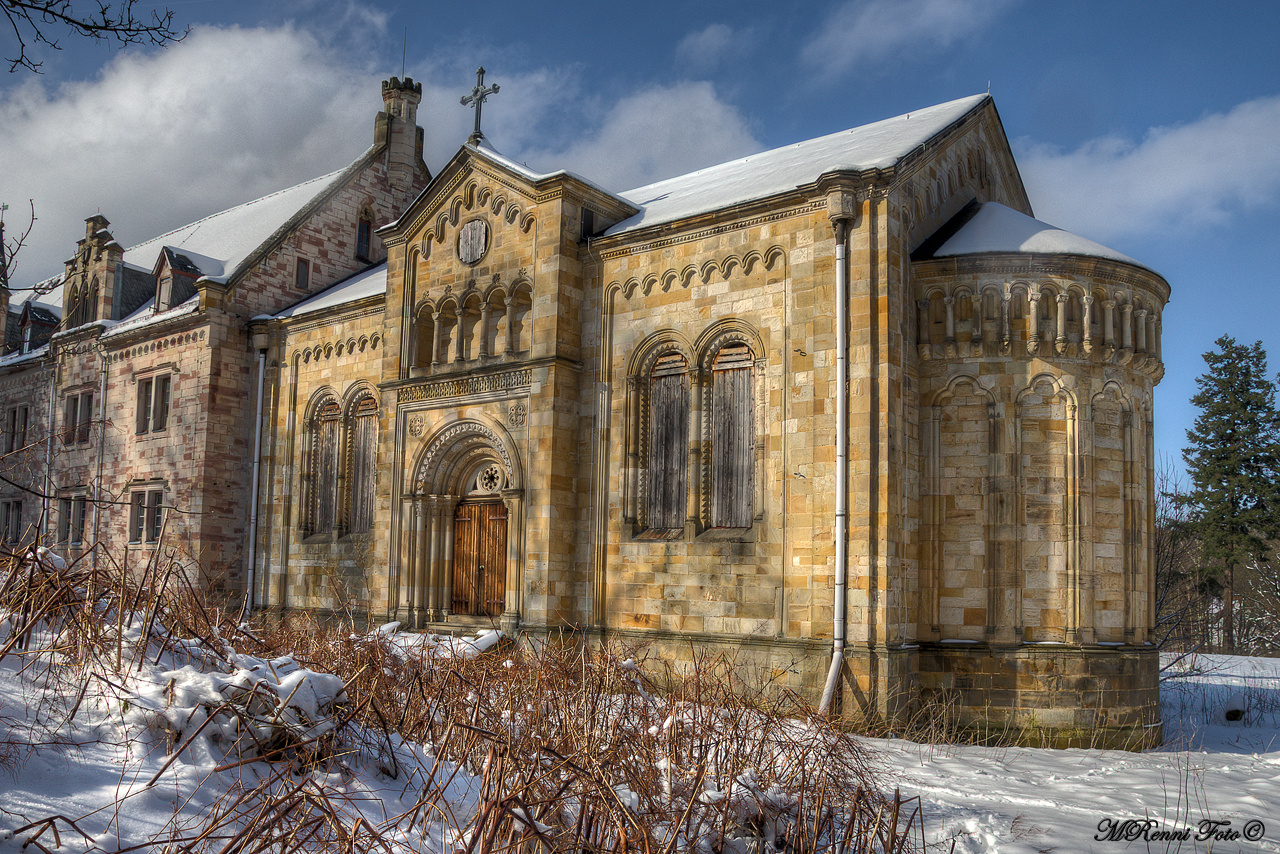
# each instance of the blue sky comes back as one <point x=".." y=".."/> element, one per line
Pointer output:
<point x="1151" y="127"/>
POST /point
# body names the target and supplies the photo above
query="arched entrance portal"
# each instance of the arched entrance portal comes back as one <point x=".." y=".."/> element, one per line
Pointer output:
<point x="465" y="534"/>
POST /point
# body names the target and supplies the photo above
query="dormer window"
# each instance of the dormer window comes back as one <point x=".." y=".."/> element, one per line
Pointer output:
<point x="363" y="233"/>
<point x="26" y="339"/>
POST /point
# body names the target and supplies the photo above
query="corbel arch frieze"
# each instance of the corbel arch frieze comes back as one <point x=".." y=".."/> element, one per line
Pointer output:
<point x="743" y="264"/>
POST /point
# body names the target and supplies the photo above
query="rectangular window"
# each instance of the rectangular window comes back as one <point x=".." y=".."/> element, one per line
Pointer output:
<point x="10" y="521"/>
<point x="77" y="417"/>
<point x="146" y="515"/>
<point x="153" y="404"/>
<point x="302" y="275"/>
<point x="15" y="429"/>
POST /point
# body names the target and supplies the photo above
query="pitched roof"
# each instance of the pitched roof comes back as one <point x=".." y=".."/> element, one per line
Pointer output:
<point x="218" y="244"/>
<point x="879" y="145"/>
<point x="993" y="228"/>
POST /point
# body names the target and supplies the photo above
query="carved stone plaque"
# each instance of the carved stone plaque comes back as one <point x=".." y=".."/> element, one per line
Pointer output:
<point x="473" y="241"/>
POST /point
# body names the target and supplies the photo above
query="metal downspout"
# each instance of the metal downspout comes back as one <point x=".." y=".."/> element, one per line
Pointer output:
<point x="253" y="489"/>
<point x="842" y="469"/>
<point x="102" y="437"/>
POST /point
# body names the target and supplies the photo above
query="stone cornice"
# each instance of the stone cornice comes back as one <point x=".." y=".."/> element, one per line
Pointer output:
<point x="1033" y="265"/>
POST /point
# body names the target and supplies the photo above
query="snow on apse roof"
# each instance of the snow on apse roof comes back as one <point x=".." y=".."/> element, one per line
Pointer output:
<point x="878" y="145"/>
<point x="996" y="228"/>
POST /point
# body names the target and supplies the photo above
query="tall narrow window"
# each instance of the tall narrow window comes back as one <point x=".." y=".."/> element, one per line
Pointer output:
<point x="732" y="438"/>
<point x="364" y="448"/>
<point x="302" y="275"/>
<point x="363" y="231"/>
<point x="322" y="476"/>
<point x="668" y="445"/>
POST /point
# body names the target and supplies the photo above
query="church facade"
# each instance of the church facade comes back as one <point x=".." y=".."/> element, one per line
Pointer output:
<point x="844" y="411"/>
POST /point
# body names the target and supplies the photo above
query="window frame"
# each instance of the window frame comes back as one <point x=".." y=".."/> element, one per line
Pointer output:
<point x="154" y="396"/>
<point x="11" y="521"/>
<point x="77" y="417"/>
<point x="72" y="513"/>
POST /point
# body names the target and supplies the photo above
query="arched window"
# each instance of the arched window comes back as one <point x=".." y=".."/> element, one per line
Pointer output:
<point x="732" y="438"/>
<point x="363" y="465"/>
<point x="668" y="445"/>
<point x="322" y="469"/>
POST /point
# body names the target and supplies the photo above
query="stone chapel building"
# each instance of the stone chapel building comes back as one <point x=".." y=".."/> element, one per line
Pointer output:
<point x="844" y="410"/>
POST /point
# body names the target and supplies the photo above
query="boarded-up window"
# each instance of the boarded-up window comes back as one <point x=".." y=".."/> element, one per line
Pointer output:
<point x="668" y="443"/>
<point x="323" y="471"/>
<point x="732" y="438"/>
<point x="364" y="448"/>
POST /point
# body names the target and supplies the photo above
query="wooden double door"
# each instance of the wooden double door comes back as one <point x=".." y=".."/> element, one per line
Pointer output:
<point x="480" y="558"/>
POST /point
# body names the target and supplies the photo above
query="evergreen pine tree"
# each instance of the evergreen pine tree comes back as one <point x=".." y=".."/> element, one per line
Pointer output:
<point x="1233" y="462"/>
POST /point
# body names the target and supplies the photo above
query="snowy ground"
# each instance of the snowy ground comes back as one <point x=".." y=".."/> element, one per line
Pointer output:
<point x="95" y="773"/>
<point x="1210" y="770"/>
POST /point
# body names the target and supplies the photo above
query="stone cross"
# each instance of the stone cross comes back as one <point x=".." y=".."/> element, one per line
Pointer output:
<point x="475" y="99"/>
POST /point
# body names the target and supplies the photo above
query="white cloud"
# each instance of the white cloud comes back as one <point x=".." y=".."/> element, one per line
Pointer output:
<point x="863" y="32"/>
<point x="706" y="47"/>
<point x="1175" y="179"/>
<point x="159" y="140"/>
<point x="655" y="134"/>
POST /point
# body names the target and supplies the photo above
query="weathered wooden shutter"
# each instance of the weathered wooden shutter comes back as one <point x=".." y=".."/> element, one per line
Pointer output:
<point x="732" y="438"/>
<point x="325" y="472"/>
<point x="668" y="443"/>
<point x="364" y="449"/>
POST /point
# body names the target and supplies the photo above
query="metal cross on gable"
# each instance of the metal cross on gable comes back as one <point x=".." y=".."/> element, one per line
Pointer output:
<point x="476" y="99"/>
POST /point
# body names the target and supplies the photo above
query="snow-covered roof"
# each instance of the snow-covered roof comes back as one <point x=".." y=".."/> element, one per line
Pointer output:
<point x="995" y="228"/>
<point x="145" y="315"/>
<point x="879" y="145"/>
<point x="221" y="242"/>
<point x="369" y="282"/>
<point x="18" y="358"/>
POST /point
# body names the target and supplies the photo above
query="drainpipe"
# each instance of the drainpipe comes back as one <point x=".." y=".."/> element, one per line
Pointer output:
<point x="253" y="489"/>
<point x="102" y="438"/>
<point x="839" y="205"/>
<point x="48" y="451"/>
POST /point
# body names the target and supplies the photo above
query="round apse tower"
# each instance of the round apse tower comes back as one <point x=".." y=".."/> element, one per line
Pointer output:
<point x="1037" y="353"/>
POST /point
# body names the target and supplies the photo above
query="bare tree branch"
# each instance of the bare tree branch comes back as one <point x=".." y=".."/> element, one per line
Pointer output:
<point x="32" y="20"/>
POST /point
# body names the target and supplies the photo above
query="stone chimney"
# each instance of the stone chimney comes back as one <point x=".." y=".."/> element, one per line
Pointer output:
<point x="397" y="126"/>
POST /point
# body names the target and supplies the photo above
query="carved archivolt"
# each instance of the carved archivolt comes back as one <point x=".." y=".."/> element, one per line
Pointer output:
<point x="723" y="268"/>
<point x="457" y="443"/>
